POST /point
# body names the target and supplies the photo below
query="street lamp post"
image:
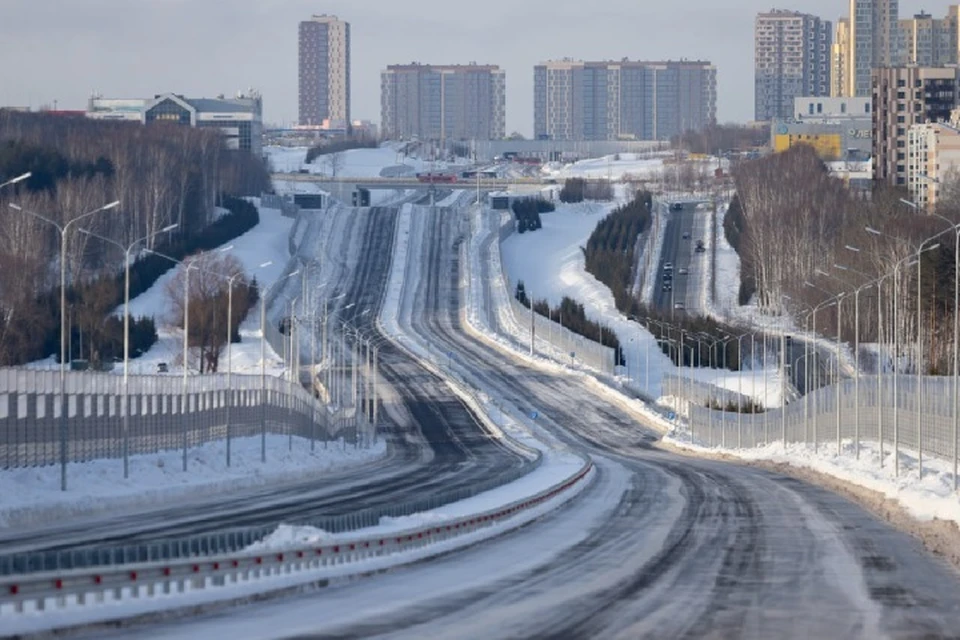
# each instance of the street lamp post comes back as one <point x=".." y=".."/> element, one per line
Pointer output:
<point x="956" y="350"/>
<point x="19" y="178"/>
<point x="64" y="233"/>
<point x="896" y="336"/>
<point x="126" y="332"/>
<point x="230" y="394"/>
<point x="263" y="362"/>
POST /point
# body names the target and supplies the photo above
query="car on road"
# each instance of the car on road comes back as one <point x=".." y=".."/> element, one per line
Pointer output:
<point x="700" y="248"/>
<point x="682" y="271"/>
<point x="678" y="305"/>
<point x="677" y="206"/>
<point x="668" y="266"/>
<point x="667" y="286"/>
<point x="686" y="235"/>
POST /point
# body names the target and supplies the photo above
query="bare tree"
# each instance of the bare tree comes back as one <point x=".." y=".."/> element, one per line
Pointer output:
<point x="335" y="162"/>
<point x="208" y="295"/>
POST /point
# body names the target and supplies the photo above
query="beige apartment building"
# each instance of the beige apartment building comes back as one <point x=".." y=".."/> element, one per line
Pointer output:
<point x="933" y="156"/>
<point x="927" y="41"/>
<point x="324" y="72"/>
<point x="840" y="75"/>
<point x="903" y="97"/>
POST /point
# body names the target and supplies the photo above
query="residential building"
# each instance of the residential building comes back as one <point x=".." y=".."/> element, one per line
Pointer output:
<point x="625" y="100"/>
<point x="443" y="102"/>
<point x="792" y="58"/>
<point x="840" y="72"/>
<point x="903" y="97"/>
<point x="872" y="41"/>
<point x="933" y="157"/>
<point x="924" y="41"/>
<point x="240" y="119"/>
<point x="324" y="71"/>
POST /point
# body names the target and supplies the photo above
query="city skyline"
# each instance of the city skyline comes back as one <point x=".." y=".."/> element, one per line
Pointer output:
<point x="63" y="53"/>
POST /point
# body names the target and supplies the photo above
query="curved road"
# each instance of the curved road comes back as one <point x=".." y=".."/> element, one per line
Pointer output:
<point x="676" y="547"/>
<point x="696" y="548"/>
<point x="445" y="449"/>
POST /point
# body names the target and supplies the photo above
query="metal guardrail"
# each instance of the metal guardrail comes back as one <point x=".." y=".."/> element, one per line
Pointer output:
<point x="157" y="579"/>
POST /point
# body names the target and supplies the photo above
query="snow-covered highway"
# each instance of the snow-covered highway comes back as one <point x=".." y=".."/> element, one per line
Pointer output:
<point x="661" y="546"/>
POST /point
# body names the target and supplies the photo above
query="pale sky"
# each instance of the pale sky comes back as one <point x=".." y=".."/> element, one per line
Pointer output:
<point x="64" y="49"/>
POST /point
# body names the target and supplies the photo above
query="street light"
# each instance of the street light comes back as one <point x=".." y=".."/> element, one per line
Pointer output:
<point x="856" y="349"/>
<point x="126" y="331"/>
<point x="839" y="298"/>
<point x="19" y="178"/>
<point x="896" y="348"/>
<point x="956" y="351"/>
<point x="64" y="230"/>
<point x="263" y="362"/>
<point x="230" y="398"/>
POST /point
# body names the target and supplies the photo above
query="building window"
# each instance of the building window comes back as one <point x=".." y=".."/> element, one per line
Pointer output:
<point x="843" y="107"/>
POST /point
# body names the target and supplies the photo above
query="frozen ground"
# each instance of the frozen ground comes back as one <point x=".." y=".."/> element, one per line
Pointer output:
<point x="33" y="495"/>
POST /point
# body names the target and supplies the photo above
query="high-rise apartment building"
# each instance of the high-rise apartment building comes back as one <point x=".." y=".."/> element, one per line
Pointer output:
<point x="324" y="76"/>
<point x="840" y="72"/>
<point x="925" y="41"/>
<point x="903" y="97"/>
<point x="443" y="102"/>
<point x="575" y="100"/>
<point x="933" y="157"/>
<point x="873" y="41"/>
<point x="791" y="59"/>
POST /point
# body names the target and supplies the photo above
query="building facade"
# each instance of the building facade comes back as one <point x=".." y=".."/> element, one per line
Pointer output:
<point x="239" y="120"/>
<point x="324" y="71"/>
<point x="903" y="97"/>
<point x="872" y="41"/>
<point x="924" y="41"/>
<point x="840" y="72"/>
<point x="933" y="158"/>
<point x="628" y="100"/>
<point x="792" y="55"/>
<point x="443" y="102"/>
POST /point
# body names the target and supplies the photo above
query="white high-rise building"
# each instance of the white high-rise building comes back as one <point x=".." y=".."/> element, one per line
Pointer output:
<point x="324" y="74"/>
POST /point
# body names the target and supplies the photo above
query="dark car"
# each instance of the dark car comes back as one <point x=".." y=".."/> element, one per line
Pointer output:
<point x="677" y="206"/>
<point x="686" y="235"/>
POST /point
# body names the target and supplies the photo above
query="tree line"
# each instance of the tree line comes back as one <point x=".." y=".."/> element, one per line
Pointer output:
<point x="527" y="212"/>
<point x="610" y="253"/>
<point x="162" y="174"/>
<point x="794" y="223"/>
<point x="571" y="315"/>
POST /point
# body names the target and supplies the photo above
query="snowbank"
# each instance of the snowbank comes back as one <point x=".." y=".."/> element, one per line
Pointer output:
<point x="32" y="496"/>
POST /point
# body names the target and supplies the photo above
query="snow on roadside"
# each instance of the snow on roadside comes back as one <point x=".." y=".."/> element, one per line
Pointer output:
<point x="927" y="498"/>
<point x="551" y="265"/>
<point x="32" y="496"/>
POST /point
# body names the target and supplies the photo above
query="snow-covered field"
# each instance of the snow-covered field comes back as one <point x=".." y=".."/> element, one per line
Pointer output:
<point x="32" y="496"/>
<point x="614" y="167"/>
